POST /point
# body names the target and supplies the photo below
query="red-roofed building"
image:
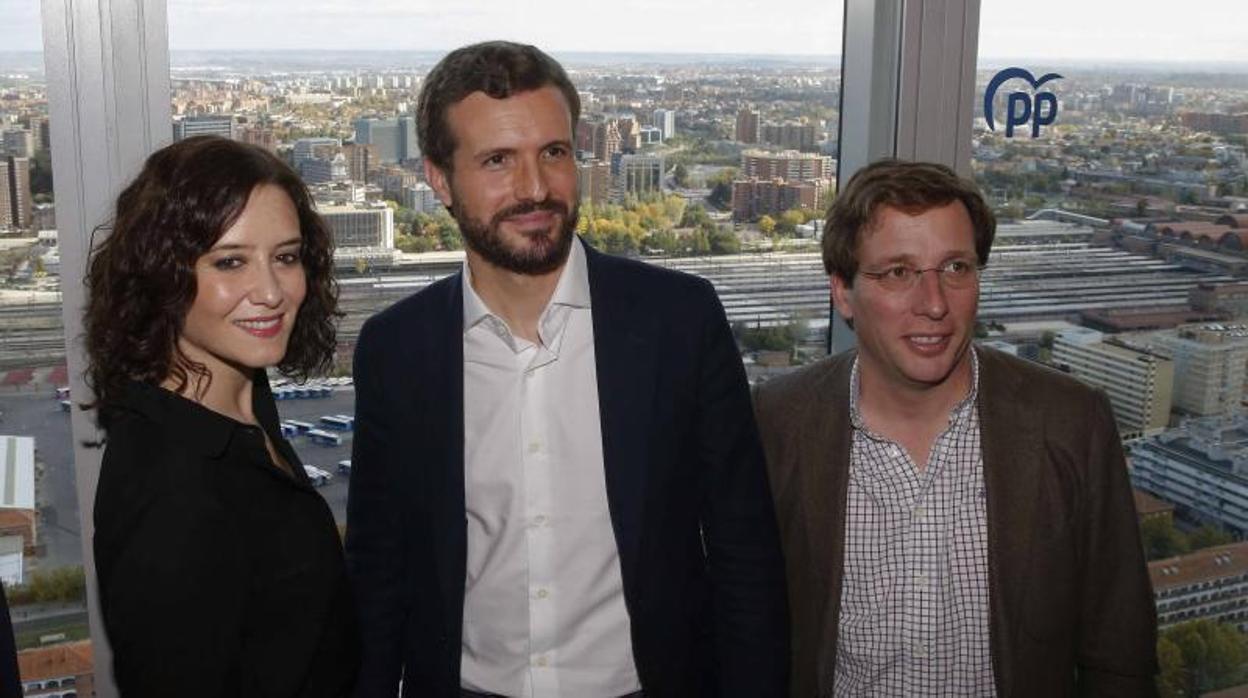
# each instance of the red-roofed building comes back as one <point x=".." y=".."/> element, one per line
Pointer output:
<point x="58" y="671"/>
<point x="1148" y="507"/>
<point x="1210" y="583"/>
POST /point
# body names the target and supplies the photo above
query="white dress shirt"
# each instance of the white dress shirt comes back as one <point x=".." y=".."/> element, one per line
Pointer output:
<point x="544" y="610"/>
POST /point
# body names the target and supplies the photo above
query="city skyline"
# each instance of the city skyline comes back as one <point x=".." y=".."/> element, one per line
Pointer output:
<point x="1103" y="33"/>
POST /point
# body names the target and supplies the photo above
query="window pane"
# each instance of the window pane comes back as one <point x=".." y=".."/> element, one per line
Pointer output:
<point x="711" y="151"/>
<point x="40" y="540"/>
<point x="1121" y="189"/>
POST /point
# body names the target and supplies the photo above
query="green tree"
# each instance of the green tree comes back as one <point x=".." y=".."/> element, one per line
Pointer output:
<point x="694" y="215"/>
<point x="680" y="173"/>
<point x="789" y="220"/>
<point x="48" y="586"/>
<point x="1173" y="677"/>
<point x="721" y="188"/>
<point x="1208" y="536"/>
<point x="723" y="241"/>
<point x="662" y="240"/>
<point x="773" y="338"/>
<point x="449" y="237"/>
<point x="766" y="225"/>
<point x="620" y="242"/>
<point x="1161" y="539"/>
<point x="698" y="243"/>
<point x="1212" y="654"/>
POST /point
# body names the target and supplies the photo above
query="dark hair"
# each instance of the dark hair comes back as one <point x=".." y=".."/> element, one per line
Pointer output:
<point x="500" y="69"/>
<point x="141" y="278"/>
<point x="910" y="187"/>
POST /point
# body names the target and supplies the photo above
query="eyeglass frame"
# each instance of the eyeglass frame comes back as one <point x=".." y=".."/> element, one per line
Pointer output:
<point x="914" y="274"/>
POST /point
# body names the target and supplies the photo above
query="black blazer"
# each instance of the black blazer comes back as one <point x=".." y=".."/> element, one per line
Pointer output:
<point x="686" y="486"/>
<point x="219" y="574"/>
<point x="10" y="682"/>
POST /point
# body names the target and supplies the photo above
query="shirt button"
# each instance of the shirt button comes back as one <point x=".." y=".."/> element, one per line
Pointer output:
<point x="919" y="650"/>
<point x="918" y="513"/>
<point x="921" y="580"/>
<point x="534" y="447"/>
<point x="539" y="661"/>
<point x="539" y="520"/>
<point x="542" y="593"/>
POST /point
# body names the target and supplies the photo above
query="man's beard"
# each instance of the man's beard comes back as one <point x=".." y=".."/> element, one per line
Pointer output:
<point x="539" y="254"/>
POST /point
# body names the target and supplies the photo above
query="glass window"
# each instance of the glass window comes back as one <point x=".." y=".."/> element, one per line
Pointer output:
<point x="1116" y="165"/>
<point x="40" y="534"/>
<point x="712" y="151"/>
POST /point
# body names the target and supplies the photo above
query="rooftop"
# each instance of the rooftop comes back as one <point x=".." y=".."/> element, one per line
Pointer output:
<point x="1146" y="504"/>
<point x="68" y="659"/>
<point x="17" y="472"/>
<point x="1205" y="565"/>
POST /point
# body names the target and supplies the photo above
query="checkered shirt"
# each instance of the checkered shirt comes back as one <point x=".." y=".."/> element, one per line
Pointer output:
<point x="914" y="600"/>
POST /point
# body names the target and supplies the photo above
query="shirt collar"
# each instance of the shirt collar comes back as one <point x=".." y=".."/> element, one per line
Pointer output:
<point x="193" y="424"/>
<point x="572" y="291"/>
<point x="958" y="412"/>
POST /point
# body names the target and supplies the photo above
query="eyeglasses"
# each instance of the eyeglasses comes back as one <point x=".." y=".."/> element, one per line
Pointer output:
<point x="955" y="274"/>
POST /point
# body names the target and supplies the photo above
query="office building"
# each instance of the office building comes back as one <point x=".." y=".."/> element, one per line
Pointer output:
<point x="665" y="121"/>
<point x="607" y="141"/>
<point x="17" y="142"/>
<point x="641" y="174"/>
<point x="210" y="125"/>
<point x="753" y="198"/>
<point x="421" y="197"/>
<point x="1201" y="466"/>
<point x="393" y="180"/>
<point x="630" y="135"/>
<point x="789" y="165"/>
<point x="305" y="149"/>
<point x="749" y="126"/>
<point x="325" y="170"/>
<point x="1139" y="382"/>
<point x="356" y="226"/>
<point x="261" y="136"/>
<point x="792" y="135"/>
<point x="1210" y="363"/>
<point x="594" y="181"/>
<point x="362" y="160"/>
<point x="1208" y="584"/>
<point x="394" y="138"/>
<point x="15" y="198"/>
<point x="1231" y="298"/>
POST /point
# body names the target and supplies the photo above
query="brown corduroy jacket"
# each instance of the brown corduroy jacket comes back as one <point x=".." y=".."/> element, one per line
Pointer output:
<point x="1070" y="602"/>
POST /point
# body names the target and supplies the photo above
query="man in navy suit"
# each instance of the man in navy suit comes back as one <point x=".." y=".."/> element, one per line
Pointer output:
<point x="557" y="484"/>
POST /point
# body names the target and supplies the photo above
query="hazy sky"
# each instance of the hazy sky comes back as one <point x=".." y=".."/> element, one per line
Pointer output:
<point x="1201" y="31"/>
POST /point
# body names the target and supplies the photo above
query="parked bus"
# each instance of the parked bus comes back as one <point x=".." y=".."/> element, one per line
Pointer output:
<point x="324" y="438"/>
<point x="338" y="422"/>
<point x="300" y="427"/>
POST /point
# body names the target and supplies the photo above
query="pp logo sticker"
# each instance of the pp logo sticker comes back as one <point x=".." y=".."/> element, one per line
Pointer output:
<point x="1022" y="107"/>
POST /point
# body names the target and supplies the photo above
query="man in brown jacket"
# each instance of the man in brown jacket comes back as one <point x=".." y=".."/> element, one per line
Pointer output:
<point x="955" y="521"/>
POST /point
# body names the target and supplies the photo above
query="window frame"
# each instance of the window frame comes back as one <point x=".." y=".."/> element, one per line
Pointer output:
<point x="908" y="80"/>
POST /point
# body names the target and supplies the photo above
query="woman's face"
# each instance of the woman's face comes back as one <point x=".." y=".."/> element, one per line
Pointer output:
<point x="249" y="287"/>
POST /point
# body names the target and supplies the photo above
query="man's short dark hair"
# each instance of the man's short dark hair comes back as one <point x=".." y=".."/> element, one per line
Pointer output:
<point x="500" y="69"/>
<point x="910" y="187"/>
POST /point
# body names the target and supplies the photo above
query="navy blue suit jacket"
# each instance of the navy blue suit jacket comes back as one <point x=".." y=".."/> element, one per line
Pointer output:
<point x="686" y="485"/>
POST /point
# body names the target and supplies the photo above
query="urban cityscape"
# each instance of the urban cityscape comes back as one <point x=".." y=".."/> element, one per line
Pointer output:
<point x="1121" y="258"/>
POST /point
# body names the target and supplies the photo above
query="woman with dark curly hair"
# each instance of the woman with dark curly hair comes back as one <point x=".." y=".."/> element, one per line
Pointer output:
<point x="220" y="568"/>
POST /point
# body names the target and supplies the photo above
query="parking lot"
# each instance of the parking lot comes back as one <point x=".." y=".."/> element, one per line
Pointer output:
<point x="39" y="414"/>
